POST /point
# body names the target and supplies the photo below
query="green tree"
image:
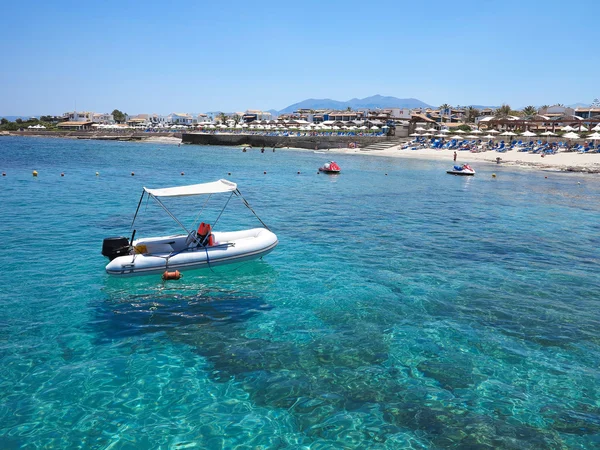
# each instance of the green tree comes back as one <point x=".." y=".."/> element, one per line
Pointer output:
<point x="19" y="121"/>
<point x="3" y="121"/>
<point x="119" y="116"/>
<point x="222" y="117"/>
<point x="472" y="114"/>
<point x="529" y="111"/>
<point x="504" y="110"/>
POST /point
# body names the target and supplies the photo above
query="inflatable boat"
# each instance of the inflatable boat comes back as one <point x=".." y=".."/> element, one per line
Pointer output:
<point x="464" y="170"/>
<point x="196" y="249"/>
<point x="330" y="167"/>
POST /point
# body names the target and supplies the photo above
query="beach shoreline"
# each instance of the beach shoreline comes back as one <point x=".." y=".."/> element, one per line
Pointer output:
<point x="560" y="162"/>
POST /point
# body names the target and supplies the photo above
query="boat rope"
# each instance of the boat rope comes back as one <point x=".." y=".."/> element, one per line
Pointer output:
<point x="238" y="193"/>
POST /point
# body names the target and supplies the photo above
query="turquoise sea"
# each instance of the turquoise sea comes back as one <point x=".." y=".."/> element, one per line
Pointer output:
<point x="403" y="308"/>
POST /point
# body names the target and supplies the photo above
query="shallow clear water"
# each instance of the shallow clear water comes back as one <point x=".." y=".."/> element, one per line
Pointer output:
<point x="407" y="310"/>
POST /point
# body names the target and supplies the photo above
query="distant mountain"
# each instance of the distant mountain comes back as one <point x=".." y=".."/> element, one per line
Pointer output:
<point x="375" y="101"/>
<point x="579" y="105"/>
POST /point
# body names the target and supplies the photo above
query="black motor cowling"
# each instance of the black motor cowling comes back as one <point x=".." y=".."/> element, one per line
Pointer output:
<point x="113" y="247"/>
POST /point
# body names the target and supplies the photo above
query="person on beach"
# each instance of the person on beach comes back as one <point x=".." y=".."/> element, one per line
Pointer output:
<point x="454" y="156"/>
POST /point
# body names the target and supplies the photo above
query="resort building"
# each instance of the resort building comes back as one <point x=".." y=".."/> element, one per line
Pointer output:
<point x="252" y="115"/>
<point x="75" y="125"/>
<point x="203" y="119"/>
<point x="180" y="119"/>
<point x="556" y="111"/>
<point x="104" y="119"/>
<point x="592" y="112"/>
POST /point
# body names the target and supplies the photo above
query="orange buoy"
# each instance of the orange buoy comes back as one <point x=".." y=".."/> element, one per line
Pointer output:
<point x="171" y="275"/>
<point x="34" y="173"/>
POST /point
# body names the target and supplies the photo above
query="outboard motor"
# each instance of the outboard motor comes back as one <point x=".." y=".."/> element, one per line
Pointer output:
<point x="113" y="247"/>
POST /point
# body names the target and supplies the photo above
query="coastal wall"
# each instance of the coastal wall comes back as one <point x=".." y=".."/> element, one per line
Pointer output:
<point x="309" y="142"/>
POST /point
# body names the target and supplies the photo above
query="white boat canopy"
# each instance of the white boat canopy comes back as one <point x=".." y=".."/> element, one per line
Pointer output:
<point x="216" y="187"/>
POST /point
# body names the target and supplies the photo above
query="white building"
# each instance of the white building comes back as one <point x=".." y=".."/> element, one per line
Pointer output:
<point x="203" y="118"/>
<point x="103" y="118"/>
<point x="180" y="119"/>
<point x="88" y="116"/>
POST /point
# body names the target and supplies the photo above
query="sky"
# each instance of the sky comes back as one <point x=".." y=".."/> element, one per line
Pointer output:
<point x="162" y="57"/>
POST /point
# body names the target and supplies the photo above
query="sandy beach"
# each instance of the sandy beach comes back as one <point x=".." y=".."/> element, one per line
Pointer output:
<point x="562" y="161"/>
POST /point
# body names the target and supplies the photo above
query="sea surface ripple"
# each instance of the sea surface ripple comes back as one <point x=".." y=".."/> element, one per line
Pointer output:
<point x="403" y="308"/>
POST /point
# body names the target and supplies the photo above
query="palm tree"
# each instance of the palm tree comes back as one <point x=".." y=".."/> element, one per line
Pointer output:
<point x="529" y="111"/>
<point x="504" y="110"/>
<point x="444" y="109"/>
<point x="222" y="117"/>
<point x="472" y="114"/>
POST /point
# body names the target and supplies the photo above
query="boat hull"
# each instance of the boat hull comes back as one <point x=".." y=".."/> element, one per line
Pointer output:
<point x="329" y="171"/>
<point x="461" y="173"/>
<point x="231" y="247"/>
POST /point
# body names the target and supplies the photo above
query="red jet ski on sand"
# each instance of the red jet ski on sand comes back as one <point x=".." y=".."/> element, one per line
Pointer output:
<point x="330" y="167"/>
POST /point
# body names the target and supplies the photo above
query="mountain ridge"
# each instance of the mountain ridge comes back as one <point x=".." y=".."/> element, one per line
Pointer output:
<point x="374" y="101"/>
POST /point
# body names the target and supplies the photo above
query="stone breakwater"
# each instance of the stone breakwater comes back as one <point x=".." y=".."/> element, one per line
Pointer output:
<point x="308" y="142"/>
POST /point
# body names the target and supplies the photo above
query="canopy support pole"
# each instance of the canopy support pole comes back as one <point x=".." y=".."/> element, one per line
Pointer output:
<point x="237" y="192"/>
<point x="170" y="214"/>
<point x="138" y="208"/>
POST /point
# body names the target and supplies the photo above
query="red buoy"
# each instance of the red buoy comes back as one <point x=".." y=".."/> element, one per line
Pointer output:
<point x="171" y="275"/>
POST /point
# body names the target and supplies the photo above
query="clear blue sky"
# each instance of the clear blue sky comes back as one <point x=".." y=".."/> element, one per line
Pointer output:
<point x="159" y="56"/>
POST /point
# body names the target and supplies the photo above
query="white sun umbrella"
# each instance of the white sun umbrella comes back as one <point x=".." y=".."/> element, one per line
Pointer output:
<point x="582" y="128"/>
<point x="594" y="136"/>
<point x="377" y="128"/>
<point x="508" y="133"/>
<point x="477" y="132"/>
<point x="459" y="132"/>
<point x="457" y="136"/>
<point x="567" y="128"/>
<point x="420" y="129"/>
<point x="493" y="132"/>
<point x="362" y="128"/>
<point x="440" y="135"/>
<point x="596" y="128"/>
<point x="548" y="133"/>
<point x="571" y="135"/>
<point x="444" y="131"/>
<point x="471" y="136"/>
<point x="490" y="136"/>
<point x="528" y="134"/>
<point x="415" y="135"/>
